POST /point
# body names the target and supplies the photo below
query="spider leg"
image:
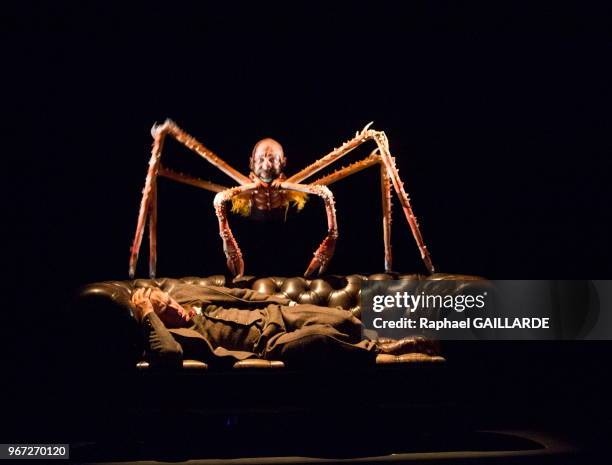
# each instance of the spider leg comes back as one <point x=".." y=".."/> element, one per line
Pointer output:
<point x="151" y="216"/>
<point x="148" y="204"/>
<point x="372" y="159"/>
<point x="145" y="203"/>
<point x="393" y="174"/>
<point x="388" y="161"/>
<point x="153" y="232"/>
<point x="235" y="263"/>
<point x="385" y="185"/>
<point x="190" y="180"/>
<point x="334" y="155"/>
<point x="385" y="190"/>
<point x="171" y="128"/>
<point x="325" y="251"/>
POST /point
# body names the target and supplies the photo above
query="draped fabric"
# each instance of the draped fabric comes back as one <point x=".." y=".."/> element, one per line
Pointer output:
<point x="236" y="324"/>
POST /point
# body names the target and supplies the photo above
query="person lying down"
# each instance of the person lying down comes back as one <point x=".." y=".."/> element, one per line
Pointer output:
<point x="220" y="325"/>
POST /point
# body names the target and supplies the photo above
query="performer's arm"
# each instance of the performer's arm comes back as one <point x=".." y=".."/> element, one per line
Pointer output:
<point x="250" y="295"/>
<point x="162" y="349"/>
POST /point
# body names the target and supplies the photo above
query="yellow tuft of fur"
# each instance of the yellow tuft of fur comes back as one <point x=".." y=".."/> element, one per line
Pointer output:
<point x="297" y="199"/>
<point x="241" y="204"/>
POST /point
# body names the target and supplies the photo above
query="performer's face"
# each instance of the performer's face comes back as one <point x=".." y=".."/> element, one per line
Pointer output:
<point x="267" y="160"/>
<point x="172" y="314"/>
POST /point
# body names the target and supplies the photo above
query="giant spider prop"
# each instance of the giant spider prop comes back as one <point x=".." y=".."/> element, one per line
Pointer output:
<point x="267" y="188"/>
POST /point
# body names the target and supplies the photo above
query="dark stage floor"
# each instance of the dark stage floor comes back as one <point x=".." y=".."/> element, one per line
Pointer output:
<point x="478" y="446"/>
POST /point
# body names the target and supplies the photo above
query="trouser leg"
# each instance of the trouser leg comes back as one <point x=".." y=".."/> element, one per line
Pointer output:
<point x="319" y="345"/>
<point x="342" y="321"/>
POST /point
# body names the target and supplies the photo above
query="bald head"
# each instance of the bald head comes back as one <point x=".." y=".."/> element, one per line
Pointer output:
<point x="267" y="160"/>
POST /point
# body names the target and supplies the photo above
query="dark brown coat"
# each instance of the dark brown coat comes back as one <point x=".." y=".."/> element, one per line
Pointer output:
<point x="236" y="324"/>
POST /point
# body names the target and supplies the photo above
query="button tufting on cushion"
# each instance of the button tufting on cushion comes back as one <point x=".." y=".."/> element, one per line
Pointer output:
<point x="321" y="288"/>
<point x="265" y="286"/>
<point x="294" y="288"/>
<point x="341" y="298"/>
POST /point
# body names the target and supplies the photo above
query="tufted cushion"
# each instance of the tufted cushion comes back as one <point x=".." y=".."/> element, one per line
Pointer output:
<point x="331" y="291"/>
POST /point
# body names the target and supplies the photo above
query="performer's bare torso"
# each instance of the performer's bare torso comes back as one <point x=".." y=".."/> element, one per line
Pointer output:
<point x="266" y="198"/>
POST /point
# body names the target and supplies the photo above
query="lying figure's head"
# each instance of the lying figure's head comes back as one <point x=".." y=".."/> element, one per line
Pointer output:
<point x="267" y="160"/>
<point x="169" y="311"/>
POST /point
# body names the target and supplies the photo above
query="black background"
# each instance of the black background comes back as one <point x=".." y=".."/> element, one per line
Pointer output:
<point x="498" y="115"/>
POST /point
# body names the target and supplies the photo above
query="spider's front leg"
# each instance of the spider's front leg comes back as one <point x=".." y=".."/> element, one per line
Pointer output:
<point x="389" y="178"/>
<point x="235" y="263"/>
<point x="148" y="205"/>
<point x="326" y="249"/>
